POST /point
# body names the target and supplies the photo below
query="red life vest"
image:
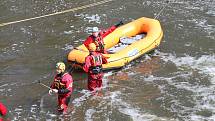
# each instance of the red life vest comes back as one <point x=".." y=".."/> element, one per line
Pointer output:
<point x="58" y="82"/>
<point x="96" y="63"/>
<point x="96" y="59"/>
<point x="99" y="42"/>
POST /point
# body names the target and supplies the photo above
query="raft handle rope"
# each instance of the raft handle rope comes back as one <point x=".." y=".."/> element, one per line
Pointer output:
<point x="57" y="13"/>
<point x="161" y="10"/>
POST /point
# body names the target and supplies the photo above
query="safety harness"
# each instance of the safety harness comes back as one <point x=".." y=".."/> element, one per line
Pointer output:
<point x="58" y="82"/>
<point x="97" y="64"/>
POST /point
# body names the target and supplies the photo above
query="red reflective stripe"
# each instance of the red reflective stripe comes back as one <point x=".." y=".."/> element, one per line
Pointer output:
<point x="94" y="61"/>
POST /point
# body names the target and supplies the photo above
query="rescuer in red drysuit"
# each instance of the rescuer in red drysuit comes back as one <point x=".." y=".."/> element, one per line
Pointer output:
<point x="62" y="85"/>
<point x="98" y="36"/>
<point x="93" y="66"/>
<point x="3" y="111"/>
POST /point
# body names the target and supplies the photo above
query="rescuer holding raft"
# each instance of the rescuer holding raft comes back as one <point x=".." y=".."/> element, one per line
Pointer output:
<point x="98" y="36"/>
<point x="62" y="85"/>
<point x="93" y="66"/>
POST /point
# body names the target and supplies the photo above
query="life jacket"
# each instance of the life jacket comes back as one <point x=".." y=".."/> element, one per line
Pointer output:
<point x="99" y="42"/>
<point x="96" y="62"/>
<point x="58" y="82"/>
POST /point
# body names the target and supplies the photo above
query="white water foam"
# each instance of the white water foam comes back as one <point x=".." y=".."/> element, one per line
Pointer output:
<point x="79" y="101"/>
<point x="204" y="98"/>
<point x="90" y="18"/>
<point x="211" y="12"/>
<point x="134" y="113"/>
<point x="68" y="32"/>
<point x="210" y="29"/>
<point x="205" y="63"/>
<point x="68" y="47"/>
<point x="198" y="12"/>
<point x="88" y="114"/>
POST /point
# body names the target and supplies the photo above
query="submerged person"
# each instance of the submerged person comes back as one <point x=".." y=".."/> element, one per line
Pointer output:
<point x="62" y="85"/>
<point x="3" y="111"/>
<point x="93" y="66"/>
<point x="98" y="36"/>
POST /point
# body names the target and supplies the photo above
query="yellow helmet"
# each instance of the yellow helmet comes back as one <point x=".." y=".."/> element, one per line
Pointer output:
<point x="92" y="47"/>
<point x="60" y="67"/>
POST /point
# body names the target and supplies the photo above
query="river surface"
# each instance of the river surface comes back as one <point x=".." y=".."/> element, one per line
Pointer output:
<point x="174" y="83"/>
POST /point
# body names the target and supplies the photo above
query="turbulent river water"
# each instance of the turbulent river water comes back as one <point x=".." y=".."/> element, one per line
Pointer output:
<point x="174" y="83"/>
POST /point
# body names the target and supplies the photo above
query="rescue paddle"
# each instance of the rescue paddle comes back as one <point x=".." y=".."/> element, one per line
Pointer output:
<point x="52" y="89"/>
<point x="44" y="85"/>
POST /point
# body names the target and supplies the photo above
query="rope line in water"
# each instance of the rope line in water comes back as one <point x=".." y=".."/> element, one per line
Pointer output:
<point x="161" y="10"/>
<point x="57" y="13"/>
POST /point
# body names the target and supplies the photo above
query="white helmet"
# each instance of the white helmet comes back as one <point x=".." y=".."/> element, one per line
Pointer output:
<point x="95" y="29"/>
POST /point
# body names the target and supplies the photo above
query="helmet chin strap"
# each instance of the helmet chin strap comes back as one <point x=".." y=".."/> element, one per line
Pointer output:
<point x="96" y="34"/>
<point x="60" y="72"/>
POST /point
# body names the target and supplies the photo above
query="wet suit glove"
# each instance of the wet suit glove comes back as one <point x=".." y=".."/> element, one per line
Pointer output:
<point x="63" y="91"/>
<point x="119" y="24"/>
<point x="53" y="90"/>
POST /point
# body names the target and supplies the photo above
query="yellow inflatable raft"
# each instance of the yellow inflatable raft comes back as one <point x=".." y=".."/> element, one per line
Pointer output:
<point x="147" y="33"/>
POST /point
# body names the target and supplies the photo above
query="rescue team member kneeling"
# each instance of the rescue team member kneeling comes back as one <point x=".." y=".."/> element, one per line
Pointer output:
<point x="3" y="112"/>
<point x="62" y="85"/>
<point x="93" y="66"/>
<point x="98" y="36"/>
